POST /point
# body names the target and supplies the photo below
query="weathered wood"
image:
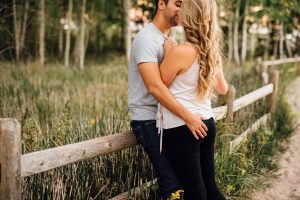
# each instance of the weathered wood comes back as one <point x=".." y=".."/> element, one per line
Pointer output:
<point x="282" y="61"/>
<point x="258" y="63"/>
<point x="229" y="100"/>
<point x="263" y="68"/>
<point x="254" y="127"/>
<point x="220" y="112"/>
<point x="45" y="160"/>
<point x="221" y="100"/>
<point x="252" y="97"/>
<point x="271" y="99"/>
<point x="135" y="191"/>
<point x="10" y="159"/>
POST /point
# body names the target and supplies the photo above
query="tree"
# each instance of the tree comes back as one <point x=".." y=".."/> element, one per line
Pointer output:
<point x="127" y="30"/>
<point x="61" y="32"/>
<point x="68" y="33"/>
<point x="42" y="33"/>
<point x="244" y="34"/>
<point x="236" y="54"/>
<point x="20" y="24"/>
<point x="82" y="34"/>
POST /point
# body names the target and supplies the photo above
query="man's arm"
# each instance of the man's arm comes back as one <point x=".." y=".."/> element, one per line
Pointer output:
<point x="151" y="76"/>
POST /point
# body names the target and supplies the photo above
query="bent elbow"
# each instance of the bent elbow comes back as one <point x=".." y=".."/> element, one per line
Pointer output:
<point x="152" y="89"/>
<point x="223" y="90"/>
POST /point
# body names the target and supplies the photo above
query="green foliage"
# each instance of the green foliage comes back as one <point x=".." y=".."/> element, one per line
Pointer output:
<point x="58" y="106"/>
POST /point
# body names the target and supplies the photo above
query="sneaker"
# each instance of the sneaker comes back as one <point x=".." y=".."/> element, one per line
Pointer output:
<point x="177" y="195"/>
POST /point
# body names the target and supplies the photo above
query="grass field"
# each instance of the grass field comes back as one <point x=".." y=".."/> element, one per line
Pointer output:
<point x="58" y="106"/>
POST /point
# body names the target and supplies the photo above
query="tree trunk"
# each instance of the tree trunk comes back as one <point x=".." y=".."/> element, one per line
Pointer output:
<point x="275" y="50"/>
<point x="127" y="31"/>
<point x="61" y="34"/>
<point x="266" y="53"/>
<point x="82" y="32"/>
<point x="75" y="52"/>
<point x="100" y="35"/>
<point x="90" y="27"/>
<point x="230" y="40"/>
<point x="288" y="47"/>
<point x="24" y="25"/>
<point x="281" y="53"/>
<point x="17" y="30"/>
<point x="236" y="34"/>
<point x="252" y="44"/>
<point x="42" y="33"/>
<point x="68" y="34"/>
<point x="60" y="41"/>
<point x="245" y="35"/>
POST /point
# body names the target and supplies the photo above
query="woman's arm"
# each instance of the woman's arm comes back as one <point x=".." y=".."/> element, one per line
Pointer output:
<point x="221" y="84"/>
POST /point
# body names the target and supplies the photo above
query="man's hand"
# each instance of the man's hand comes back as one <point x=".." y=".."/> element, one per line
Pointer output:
<point x="196" y="125"/>
<point x="168" y="45"/>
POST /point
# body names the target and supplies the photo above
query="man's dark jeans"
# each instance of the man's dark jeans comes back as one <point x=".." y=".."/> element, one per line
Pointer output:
<point x="147" y="135"/>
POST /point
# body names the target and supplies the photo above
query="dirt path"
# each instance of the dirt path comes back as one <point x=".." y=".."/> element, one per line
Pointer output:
<point x="287" y="185"/>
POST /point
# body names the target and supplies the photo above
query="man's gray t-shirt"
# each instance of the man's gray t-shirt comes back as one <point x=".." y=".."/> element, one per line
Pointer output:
<point x="147" y="46"/>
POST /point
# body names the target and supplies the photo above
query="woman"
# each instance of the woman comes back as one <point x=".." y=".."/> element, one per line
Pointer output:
<point x="192" y="71"/>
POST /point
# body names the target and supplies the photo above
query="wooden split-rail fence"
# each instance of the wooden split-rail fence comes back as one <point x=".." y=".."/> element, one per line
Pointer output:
<point x="14" y="166"/>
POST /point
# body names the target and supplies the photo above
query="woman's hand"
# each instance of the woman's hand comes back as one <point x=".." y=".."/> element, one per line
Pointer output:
<point x="168" y="45"/>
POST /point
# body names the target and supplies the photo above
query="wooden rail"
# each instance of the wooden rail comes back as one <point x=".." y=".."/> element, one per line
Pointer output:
<point x="253" y="96"/>
<point x="41" y="161"/>
<point x="262" y="66"/>
<point x="254" y="127"/>
<point x="281" y="61"/>
<point x="14" y="166"/>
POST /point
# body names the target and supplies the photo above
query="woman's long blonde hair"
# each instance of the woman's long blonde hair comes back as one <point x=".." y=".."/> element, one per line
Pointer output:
<point x="200" y="24"/>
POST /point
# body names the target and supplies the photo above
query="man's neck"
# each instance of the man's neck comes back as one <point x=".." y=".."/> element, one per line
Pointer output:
<point x="161" y="24"/>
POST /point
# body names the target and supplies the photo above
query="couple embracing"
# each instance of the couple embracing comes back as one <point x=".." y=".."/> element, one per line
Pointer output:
<point x="169" y="95"/>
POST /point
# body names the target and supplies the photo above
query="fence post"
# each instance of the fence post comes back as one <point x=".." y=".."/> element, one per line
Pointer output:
<point x="221" y="100"/>
<point x="263" y="68"/>
<point x="258" y="63"/>
<point x="271" y="98"/>
<point x="229" y="101"/>
<point x="229" y="97"/>
<point x="297" y="66"/>
<point x="10" y="159"/>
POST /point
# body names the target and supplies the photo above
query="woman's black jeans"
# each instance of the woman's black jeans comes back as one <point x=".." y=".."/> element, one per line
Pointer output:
<point x="193" y="161"/>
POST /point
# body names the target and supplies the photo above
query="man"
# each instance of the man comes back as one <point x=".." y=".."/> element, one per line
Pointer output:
<point x="145" y="88"/>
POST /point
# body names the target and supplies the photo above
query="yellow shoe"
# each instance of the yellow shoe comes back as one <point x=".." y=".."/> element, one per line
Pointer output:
<point x="178" y="195"/>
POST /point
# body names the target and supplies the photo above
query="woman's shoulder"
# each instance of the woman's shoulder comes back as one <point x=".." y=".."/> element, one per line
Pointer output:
<point x="184" y="52"/>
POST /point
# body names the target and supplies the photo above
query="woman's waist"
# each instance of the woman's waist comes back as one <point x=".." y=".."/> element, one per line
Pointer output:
<point x="170" y="120"/>
<point x="193" y="103"/>
<point x="205" y="111"/>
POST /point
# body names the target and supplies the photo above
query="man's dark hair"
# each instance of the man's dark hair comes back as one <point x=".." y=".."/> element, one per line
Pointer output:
<point x="156" y="8"/>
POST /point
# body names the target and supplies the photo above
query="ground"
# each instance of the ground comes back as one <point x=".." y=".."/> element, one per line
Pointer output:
<point x="286" y="186"/>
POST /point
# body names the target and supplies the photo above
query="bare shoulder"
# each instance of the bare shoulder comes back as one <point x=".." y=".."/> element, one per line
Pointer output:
<point x="184" y="53"/>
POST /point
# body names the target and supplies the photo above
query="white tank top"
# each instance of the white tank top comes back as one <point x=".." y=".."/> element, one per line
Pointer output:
<point x="185" y="89"/>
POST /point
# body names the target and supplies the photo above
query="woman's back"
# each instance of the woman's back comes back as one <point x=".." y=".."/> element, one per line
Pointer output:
<point x="184" y="88"/>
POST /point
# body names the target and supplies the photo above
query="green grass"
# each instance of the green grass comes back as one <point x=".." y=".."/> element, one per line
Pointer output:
<point x="58" y="106"/>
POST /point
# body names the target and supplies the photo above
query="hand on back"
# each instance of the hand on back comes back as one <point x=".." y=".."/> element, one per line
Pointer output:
<point x="169" y="44"/>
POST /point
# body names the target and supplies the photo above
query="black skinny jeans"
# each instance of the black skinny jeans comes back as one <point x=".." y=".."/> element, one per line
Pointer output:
<point x="193" y="161"/>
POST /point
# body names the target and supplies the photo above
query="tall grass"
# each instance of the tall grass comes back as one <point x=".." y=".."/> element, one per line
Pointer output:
<point x="58" y="106"/>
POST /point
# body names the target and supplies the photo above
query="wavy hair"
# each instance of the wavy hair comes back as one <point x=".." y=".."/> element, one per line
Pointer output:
<point x="200" y="24"/>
